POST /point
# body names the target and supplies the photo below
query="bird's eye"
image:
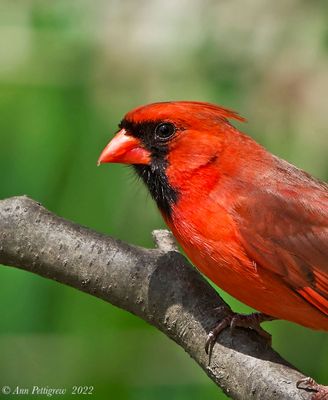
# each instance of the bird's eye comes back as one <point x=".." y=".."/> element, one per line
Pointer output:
<point x="164" y="130"/>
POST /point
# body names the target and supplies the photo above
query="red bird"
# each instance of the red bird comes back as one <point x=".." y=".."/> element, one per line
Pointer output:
<point x="254" y="224"/>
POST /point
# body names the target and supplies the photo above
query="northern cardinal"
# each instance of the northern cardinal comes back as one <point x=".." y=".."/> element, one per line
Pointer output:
<point x="254" y="224"/>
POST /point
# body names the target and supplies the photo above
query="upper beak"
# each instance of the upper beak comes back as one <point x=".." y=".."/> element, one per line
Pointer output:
<point x="124" y="148"/>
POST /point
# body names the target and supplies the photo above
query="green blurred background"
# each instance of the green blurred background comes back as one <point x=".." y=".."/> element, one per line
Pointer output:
<point x="69" y="70"/>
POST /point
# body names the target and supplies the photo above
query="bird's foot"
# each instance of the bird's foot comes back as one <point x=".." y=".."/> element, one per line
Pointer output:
<point x="309" y="384"/>
<point x="233" y="320"/>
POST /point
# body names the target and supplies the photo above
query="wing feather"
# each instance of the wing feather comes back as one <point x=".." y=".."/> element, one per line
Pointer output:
<point x="289" y="236"/>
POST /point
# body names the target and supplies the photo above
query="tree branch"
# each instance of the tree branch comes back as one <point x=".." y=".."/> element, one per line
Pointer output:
<point x="158" y="285"/>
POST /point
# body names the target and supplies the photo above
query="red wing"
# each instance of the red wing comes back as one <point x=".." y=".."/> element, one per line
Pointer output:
<point x="289" y="236"/>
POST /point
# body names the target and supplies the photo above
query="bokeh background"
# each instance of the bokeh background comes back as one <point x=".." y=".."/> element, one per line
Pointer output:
<point x="69" y="70"/>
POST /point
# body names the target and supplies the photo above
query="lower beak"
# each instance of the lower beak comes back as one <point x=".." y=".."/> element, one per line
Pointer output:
<point x="126" y="149"/>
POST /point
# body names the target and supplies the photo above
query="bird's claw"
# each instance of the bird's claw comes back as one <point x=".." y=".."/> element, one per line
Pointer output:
<point x="233" y="320"/>
<point x="214" y="333"/>
<point x="309" y="384"/>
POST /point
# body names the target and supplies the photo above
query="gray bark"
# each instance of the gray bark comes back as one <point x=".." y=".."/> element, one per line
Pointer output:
<point x="159" y="285"/>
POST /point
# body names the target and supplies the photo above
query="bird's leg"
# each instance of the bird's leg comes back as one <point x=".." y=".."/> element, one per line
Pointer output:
<point x="233" y="320"/>
<point x="309" y="384"/>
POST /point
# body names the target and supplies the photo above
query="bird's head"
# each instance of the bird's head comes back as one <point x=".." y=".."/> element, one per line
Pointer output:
<point x="167" y="142"/>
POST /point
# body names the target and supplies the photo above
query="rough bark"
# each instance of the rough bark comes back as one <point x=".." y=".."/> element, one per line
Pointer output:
<point x="158" y="285"/>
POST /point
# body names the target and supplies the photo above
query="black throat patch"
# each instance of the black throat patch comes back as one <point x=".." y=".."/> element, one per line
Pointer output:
<point x="154" y="174"/>
<point x="155" y="178"/>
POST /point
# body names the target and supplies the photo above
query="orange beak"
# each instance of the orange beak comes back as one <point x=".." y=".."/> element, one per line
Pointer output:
<point x="126" y="149"/>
